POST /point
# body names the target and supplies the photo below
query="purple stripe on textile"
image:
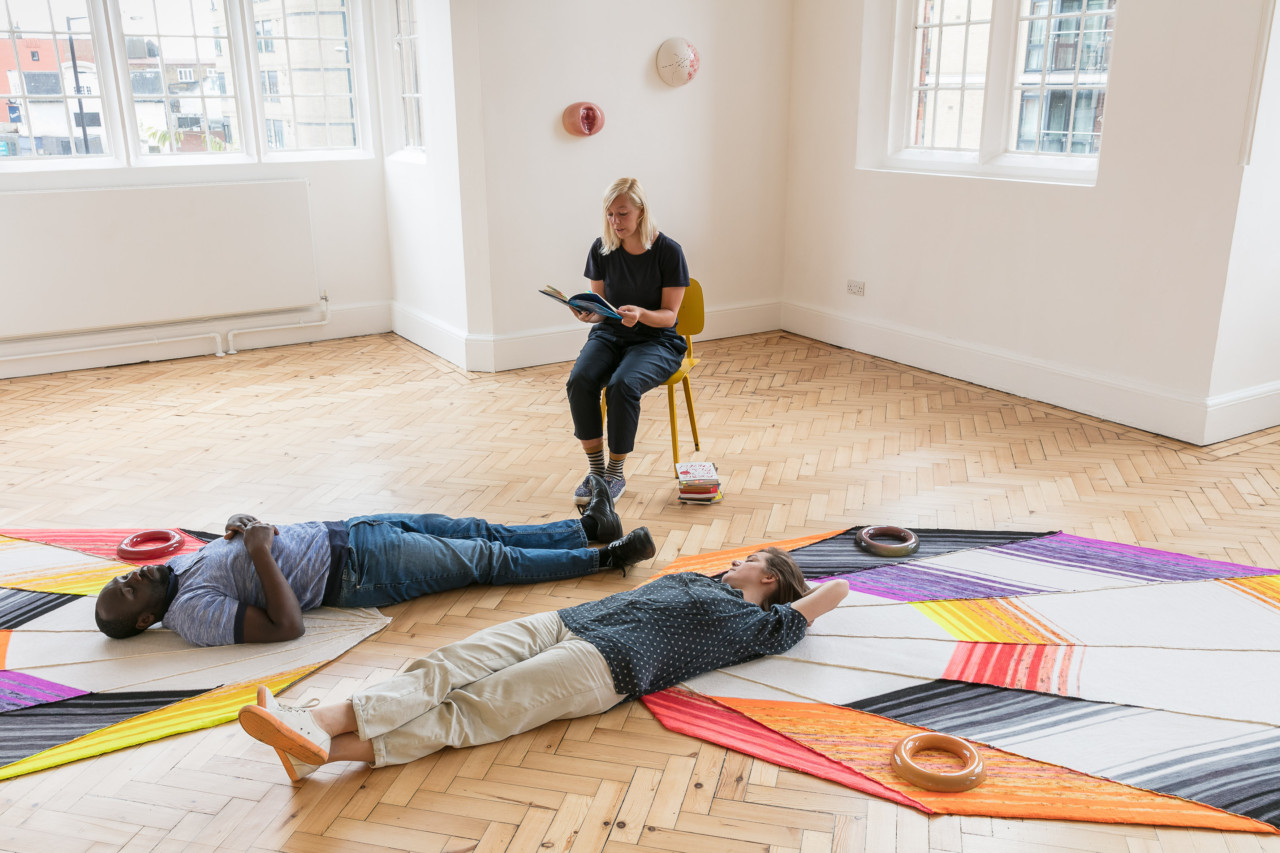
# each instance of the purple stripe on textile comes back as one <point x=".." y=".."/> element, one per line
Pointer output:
<point x="913" y="582"/>
<point x="19" y="690"/>
<point x="1127" y="561"/>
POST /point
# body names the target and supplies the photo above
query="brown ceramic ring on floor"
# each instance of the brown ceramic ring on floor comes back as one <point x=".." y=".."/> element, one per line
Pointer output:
<point x="149" y="544"/>
<point x="970" y="776"/>
<point x="908" y="542"/>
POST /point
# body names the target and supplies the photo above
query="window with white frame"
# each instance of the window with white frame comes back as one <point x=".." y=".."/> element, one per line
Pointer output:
<point x="179" y="73"/>
<point x="310" y="49"/>
<point x="1060" y="79"/>
<point x="167" y="43"/>
<point x="1006" y="86"/>
<point x="949" y="73"/>
<point x="49" y="92"/>
<point x="406" y="49"/>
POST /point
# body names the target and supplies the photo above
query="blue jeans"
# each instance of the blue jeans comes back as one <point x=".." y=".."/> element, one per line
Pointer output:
<point x="396" y="557"/>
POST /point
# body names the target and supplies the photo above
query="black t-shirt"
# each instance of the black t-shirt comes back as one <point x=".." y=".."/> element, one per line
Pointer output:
<point x="679" y="626"/>
<point x="638" y="280"/>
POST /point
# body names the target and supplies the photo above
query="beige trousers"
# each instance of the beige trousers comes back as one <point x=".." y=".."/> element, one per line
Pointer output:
<point x="499" y="682"/>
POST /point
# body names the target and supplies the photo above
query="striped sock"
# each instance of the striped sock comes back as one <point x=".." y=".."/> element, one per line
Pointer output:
<point x="615" y="467"/>
<point x="595" y="460"/>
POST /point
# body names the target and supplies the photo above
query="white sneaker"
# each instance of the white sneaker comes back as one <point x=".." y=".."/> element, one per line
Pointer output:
<point x="297" y="770"/>
<point x="290" y="731"/>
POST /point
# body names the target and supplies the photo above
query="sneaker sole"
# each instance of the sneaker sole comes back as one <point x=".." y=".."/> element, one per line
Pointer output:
<point x="262" y="726"/>
<point x="296" y="770"/>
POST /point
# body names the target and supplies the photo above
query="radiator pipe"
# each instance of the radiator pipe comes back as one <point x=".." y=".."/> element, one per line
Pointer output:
<point x="217" y="340"/>
<point x="324" y="297"/>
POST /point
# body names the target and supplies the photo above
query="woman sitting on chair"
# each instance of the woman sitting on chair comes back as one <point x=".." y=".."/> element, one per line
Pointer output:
<point x="643" y="273"/>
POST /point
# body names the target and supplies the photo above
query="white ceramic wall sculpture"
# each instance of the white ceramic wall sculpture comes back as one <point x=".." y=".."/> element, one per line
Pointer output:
<point x="677" y="61"/>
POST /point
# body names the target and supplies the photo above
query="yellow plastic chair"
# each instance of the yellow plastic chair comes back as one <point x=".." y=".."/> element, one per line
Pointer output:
<point x="690" y="319"/>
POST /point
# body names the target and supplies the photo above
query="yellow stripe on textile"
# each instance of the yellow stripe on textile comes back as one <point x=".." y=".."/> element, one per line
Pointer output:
<point x="715" y="562"/>
<point x="1265" y="588"/>
<point x="81" y="574"/>
<point x="989" y="620"/>
<point x="198" y="712"/>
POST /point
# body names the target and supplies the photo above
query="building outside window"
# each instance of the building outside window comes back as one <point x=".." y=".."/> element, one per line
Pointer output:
<point x="310" y="53"/>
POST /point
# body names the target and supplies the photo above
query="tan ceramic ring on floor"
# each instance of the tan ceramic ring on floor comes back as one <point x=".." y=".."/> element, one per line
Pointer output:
<point x="907" y="544"/>
<point x="970" y="776"/>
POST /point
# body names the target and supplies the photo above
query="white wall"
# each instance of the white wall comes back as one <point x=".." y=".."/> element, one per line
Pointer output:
<point x="1103" y="299"/>
<point x="424" y="205"/>
<point x="1245" y="387"/>
<point x="711" y="155"/>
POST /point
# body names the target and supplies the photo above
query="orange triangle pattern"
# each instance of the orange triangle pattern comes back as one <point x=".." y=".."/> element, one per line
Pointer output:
<point x="1016" y="787"/>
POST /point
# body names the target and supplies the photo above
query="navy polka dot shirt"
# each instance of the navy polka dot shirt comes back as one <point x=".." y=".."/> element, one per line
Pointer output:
<point x="679" y="626"/>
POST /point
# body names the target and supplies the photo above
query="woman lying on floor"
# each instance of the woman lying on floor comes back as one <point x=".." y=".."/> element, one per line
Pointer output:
<point x="574" y="662"/>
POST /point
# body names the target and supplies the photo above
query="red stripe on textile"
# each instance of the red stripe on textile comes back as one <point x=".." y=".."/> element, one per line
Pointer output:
<point x="98" y="542"/>
<point x="1046" y="669"/>
<point x="704" y="718"/>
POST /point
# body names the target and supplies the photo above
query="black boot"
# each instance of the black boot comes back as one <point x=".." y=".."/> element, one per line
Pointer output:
<point x="629" y="550"/>
<point x="599" y="520"/>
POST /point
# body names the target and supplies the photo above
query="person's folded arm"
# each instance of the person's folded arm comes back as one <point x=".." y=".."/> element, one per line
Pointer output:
<point x="822" y="600"/>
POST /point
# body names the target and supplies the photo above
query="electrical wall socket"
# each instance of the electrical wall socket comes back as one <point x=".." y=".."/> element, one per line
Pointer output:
<point x="856" y="288"/>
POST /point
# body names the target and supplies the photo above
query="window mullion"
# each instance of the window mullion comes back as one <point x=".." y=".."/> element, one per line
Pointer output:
<point x="124" y="112"/>
<point x="242" y="43"/>
<point x="1001" y="58"/>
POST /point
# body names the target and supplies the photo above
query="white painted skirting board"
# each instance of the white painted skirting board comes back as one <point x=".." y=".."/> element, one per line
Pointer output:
<point x="488" y="353"/>
<point x="1196" y="420"/>
<point x="128" y="346"/>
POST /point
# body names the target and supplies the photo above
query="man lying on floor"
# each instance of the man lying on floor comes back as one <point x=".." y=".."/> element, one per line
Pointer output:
<point x="574" y="662"/>
<point x="253" y="584"/>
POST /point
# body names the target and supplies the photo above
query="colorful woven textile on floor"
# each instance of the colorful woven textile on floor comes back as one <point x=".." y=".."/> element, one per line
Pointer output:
<point x="68" y="692"/>
<point x="1108" y="683"/>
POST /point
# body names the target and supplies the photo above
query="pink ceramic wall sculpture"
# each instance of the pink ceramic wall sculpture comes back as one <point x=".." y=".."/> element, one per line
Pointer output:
<point x="583" y="118"/>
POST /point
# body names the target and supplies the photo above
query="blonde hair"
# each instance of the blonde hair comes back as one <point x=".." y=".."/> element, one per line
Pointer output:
<point x="645" y="227"/>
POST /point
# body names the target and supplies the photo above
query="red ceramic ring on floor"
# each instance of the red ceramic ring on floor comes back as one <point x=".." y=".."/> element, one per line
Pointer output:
<point x="970" y="776"/>
<point x="907" y="543"/>
<point x="149" y="544"/>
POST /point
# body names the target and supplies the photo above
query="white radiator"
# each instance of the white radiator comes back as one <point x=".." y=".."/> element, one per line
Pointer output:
<point x="84" y="260"/>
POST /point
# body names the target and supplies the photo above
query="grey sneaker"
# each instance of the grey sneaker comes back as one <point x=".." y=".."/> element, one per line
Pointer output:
<point x="617" y="486"/>
<point x="582" y="494"/>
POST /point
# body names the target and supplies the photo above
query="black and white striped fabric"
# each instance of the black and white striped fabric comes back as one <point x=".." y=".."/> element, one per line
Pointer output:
<point x="19" y="606"/>
<point x="841" y="554"/>
<point x="26" y="731"/>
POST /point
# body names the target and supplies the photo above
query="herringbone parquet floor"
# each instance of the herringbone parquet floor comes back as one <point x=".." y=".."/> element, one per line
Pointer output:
<point x="809" y="437"/>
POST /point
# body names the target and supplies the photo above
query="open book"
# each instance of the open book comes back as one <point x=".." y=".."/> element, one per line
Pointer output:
<point x="590" y="302"/>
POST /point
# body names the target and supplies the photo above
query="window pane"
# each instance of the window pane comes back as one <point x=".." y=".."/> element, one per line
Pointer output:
<point x="1027" y="122"/>
<point x="951" y="56"/>
<point x="923" y="118"/>
<point x="975" y="63"/>
<point x="925" y="64"/>
<point x="946" y="131"/>
<point x="955" y="11"/>
<point x="971" y="126"/>
<point x="1086" y="126"/>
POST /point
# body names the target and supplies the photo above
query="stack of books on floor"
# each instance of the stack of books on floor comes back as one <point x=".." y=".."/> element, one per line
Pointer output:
<point x="699" y="483"/>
